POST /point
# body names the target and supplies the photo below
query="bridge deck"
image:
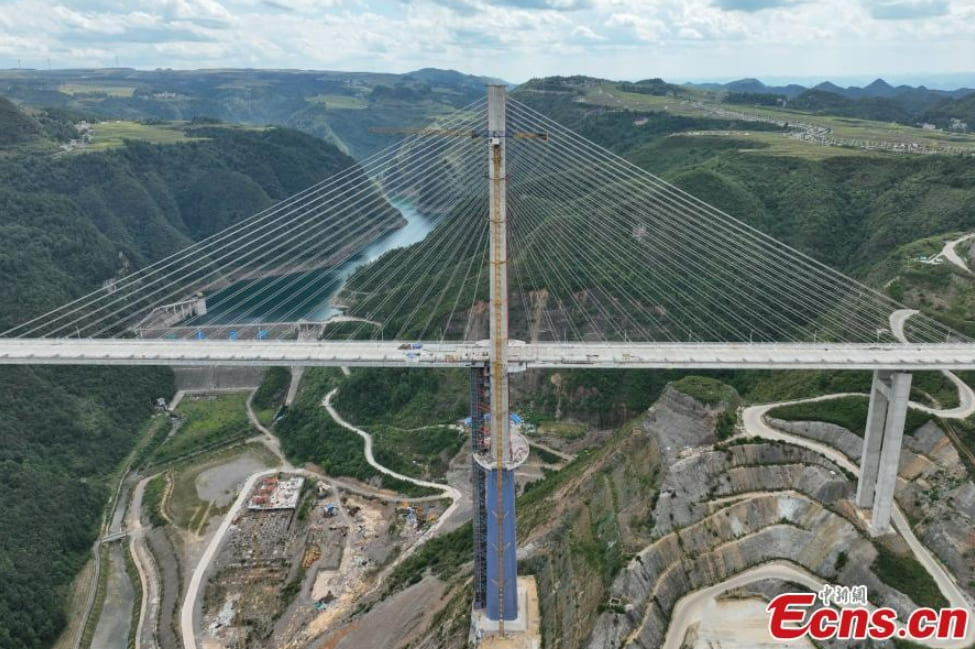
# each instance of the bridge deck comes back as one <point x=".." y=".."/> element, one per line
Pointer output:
<point x="55" y="351"/>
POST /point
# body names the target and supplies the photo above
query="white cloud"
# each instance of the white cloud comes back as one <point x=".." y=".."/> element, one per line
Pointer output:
<point x="515" y="39"/>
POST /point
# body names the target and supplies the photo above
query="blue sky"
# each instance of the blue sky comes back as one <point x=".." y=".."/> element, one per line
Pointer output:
<point x="855" y="40"/>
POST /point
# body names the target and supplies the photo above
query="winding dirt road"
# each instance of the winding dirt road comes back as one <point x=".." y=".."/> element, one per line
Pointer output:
<point x="197" y="579"/>
<point x="692" y="606"/>
<point x="449" y="492"/>
<point x="966" y="396"/>
<point x="144" y="564"/>
<point x="949" y="253"/>
<point x="754" y="424"/>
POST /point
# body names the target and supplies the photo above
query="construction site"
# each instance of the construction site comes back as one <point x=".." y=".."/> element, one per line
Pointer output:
<point x="299" y="556"/>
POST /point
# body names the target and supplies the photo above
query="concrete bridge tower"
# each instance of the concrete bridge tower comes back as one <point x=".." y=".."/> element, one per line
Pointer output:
<point x="498" y="448"/>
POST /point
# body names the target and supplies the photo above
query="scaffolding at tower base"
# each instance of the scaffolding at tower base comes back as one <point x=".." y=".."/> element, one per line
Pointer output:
<point x="480" y="405"/>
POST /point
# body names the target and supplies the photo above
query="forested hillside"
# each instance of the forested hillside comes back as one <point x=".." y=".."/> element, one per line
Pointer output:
<point x="339" y="107"/>
<point x="843" y="209"/>
<point x="68" y="222"/>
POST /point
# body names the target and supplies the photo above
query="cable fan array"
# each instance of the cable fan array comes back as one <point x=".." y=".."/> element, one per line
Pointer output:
<point x="599" y="249"/>
<point x="262" y="277"/>
<point x="603" y="250"/>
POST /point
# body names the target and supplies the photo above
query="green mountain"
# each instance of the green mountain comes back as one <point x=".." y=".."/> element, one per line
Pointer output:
<point x="337" y="106"/>
<point x="848" y="210"/>
<point x="68" y="222"/>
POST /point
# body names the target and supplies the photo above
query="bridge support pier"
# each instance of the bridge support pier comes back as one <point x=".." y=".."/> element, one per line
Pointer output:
<point x="889" y="396"/>
<point x="502" y="562"/>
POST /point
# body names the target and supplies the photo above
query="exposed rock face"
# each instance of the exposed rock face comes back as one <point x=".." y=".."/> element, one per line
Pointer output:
<point x="577" y="537"/>
<point x="933" y="489"/>
<point x="752" y="532"/>
<point x="657" y="511"/>
<point x="723" y="511"/>
<point x="680" y="423"/>
<point x="830" y="434"/>
<point x="938" y="495"/>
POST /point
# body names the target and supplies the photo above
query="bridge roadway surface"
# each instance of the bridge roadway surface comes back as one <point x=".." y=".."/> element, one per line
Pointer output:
<point x="892" y="356"/>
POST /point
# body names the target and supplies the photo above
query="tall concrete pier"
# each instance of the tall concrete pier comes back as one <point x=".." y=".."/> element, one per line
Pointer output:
<point x="889" y="396"/>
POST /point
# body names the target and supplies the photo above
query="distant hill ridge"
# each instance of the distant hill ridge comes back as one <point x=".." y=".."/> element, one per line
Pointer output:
<point x="877" y="88"/>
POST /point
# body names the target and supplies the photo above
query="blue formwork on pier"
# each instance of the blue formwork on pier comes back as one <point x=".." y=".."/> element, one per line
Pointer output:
<point x="509" y="548"/>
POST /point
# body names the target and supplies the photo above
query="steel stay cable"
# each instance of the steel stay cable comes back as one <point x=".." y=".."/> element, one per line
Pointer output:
<point x="730" y="222"/>
<point x="404" y="182"/>
<point x="471" y="215"/>
<point x="650" y="297"/>
<point x="404" y="267"/>
<point x="831" y="304"/>
<point x="620" y="248"/>
<point x="467" y="254"/>
<point x="456" y="220"/>
<point x="701" y="326"/>
<point x="255" y="251"/>
<point x="468" y="212"/>
<point x="351" y="207"/>
<point x="567" y="250"/>
<point x="414" y="266"/>
<point x="568" y="291"/>
<point x="657" y="190"/>
<point x="594" y="199"/>
<point x="476" y="255"/>
<point x="321" y="231"/>
<point x="549" y="191"/>
<point x="531" y="217"/>
<point x="515" y="227"/>
<point x="353" y="169"/>
<point x="547" y="187"/>
<point x="443" y="198"/>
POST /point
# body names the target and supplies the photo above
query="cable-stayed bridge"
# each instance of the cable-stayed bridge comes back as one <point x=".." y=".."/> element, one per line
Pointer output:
<point x="903" y="357"/>
<point x="544" y="250"/>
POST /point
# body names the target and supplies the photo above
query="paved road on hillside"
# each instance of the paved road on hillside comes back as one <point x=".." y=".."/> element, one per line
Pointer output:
<point x="966" y="396"/>
<point x="949" y="253"/>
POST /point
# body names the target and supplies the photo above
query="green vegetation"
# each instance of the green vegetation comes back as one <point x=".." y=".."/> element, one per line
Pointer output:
<point x="421" y="453"/>
<point x="761" y="386"/>
<point x="270" y="396"/>
<point x="604" y="398"/>
<point x="848" y="412"/>
<point x="309" y="434"/>
<point x="906" y="574"/>
<point x="101" y="591"/>
<point x="156" y="430"/>
<point x="404" y="398"/>
<point x="152" y="500"/>
<point x="63" y="430"/>
<point x="15" y="126"/>
<point x="132" y="574"/>
<point x="708" y="391"/>
<point x="545" y="456"/>
<point x="114" y="134"/>
<point x="209" y="422"/>
<point x="107" y="89"/>
<point x="345" y="102"/>
<point x="935" y="385"/>
<point x="442" y="556"/>
<point x="307" y="499"/>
